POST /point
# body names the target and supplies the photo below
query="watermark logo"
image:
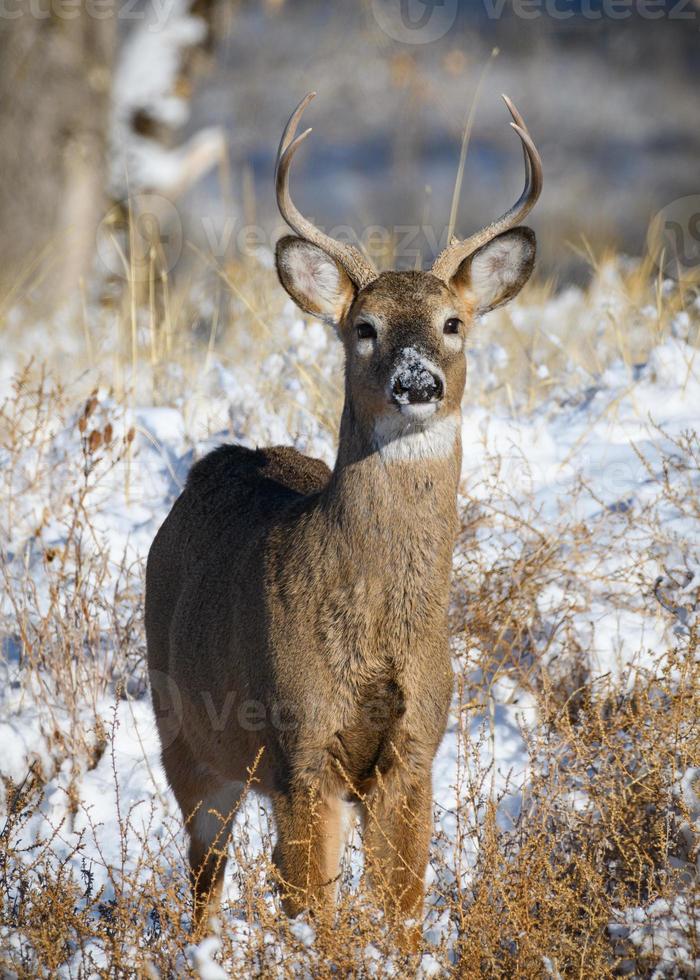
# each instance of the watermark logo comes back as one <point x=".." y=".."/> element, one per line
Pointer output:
<point x="155" y="14"/>
<point x="415" y="21"/>
<point x="674" y="239"/>
<point x="140" y="238"/>
<point x="591" y="10"/>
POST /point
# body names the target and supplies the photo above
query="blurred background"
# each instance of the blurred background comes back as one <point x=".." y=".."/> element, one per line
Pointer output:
<point x="146" y="132"/>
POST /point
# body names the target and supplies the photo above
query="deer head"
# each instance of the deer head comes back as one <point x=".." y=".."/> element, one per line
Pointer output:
<point x="404" y="332"/>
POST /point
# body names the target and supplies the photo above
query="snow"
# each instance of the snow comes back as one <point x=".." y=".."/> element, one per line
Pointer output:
<point x="593" y="457"/>
<point x="146" y="79"/>
<point x="412" y="375"/>
<point x="202" y="960"/>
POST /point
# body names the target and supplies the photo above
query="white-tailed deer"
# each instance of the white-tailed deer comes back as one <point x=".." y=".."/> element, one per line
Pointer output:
<point x="298" y="614"/>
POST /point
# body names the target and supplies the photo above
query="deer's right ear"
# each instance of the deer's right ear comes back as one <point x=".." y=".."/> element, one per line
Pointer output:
<point x="315" y="281"/>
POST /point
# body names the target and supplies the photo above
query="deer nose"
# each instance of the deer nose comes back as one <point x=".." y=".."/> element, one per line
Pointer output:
<point x="417" y="391"/>
<point x="415" y="381"/>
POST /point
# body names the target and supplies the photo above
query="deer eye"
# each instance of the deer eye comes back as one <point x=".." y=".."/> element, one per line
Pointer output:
<point x="365" y="331"/>
<point x="452" y="325"/>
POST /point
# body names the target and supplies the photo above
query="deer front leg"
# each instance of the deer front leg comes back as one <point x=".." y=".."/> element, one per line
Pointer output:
<point x="310" y="833"/>
<point x="397" y="822"/>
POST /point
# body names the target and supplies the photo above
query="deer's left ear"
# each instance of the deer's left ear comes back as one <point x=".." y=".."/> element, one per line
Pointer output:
<point x="498" y="271"/>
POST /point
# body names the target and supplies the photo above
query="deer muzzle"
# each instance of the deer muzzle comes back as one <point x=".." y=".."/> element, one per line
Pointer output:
<point x="416" y="381"/>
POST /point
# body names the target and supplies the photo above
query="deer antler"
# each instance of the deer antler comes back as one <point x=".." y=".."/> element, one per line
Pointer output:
<point x="357" y="266"/>
<point x="448" y="261"/>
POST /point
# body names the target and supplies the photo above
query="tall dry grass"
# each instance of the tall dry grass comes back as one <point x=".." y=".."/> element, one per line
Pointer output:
<point x="587" y="868"/>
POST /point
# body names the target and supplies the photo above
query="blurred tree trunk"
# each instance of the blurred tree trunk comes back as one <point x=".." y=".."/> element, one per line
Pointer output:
<point x="67" y="127"/>
<point x="55" y="78"/>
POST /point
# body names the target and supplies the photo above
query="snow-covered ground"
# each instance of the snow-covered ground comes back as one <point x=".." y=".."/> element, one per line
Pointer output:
<point x="590" y="492"/>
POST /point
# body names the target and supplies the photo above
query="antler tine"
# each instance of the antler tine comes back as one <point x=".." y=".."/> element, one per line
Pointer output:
<point x="532" y="175"/>
<point x="519" y="121"/>
<point x="290" y="130"/>
<point x="448" y="261"/>
<point x="351" y="258"/>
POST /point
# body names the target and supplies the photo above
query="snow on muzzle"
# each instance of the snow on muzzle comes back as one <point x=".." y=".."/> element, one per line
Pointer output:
<point x="416" y="380"/>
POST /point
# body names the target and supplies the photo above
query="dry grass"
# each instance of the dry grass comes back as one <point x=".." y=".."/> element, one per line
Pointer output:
<point x="584" y="866"/>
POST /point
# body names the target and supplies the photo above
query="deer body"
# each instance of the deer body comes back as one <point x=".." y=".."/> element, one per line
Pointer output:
<point x="297" y="616"/>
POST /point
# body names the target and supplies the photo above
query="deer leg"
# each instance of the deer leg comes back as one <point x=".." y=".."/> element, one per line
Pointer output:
<point x="210" y="829"/>
<point x="208" y="804"/>
<point x="397" y="825"/>
<point x="310" y="835"/>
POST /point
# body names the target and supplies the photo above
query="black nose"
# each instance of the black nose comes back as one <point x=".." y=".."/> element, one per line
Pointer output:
<point x="416" y="385"/>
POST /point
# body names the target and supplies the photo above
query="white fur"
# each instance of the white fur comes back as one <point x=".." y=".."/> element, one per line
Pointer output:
<point x="496" y="268"/>
<point x="453" y="341"/>
<point x="315" y="276"/>
<point x="399" y="440"/>
<point x="210" y="820"/>
<point x="421" y="410"/>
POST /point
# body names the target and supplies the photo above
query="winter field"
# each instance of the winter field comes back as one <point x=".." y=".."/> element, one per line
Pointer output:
<point x="567" y="788"/>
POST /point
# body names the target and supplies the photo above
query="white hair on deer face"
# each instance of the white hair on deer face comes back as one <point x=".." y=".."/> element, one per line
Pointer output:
<point x="397" y="442"/>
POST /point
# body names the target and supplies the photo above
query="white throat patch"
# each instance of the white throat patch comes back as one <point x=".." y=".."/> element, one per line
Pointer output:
<point x="396" y="440"/>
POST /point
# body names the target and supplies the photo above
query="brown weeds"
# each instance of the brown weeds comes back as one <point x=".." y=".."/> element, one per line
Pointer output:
<point x="583" y="866"/>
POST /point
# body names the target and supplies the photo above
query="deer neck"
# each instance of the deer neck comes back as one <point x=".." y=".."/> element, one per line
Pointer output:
<point x="393" y="492"/>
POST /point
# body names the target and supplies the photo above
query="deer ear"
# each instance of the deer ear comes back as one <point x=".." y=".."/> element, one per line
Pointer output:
<point x="498" y="271"/>
<point x="315" y="281"/>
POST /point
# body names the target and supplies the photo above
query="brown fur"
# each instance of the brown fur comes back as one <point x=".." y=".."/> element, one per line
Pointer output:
<point x="302" y="613"/>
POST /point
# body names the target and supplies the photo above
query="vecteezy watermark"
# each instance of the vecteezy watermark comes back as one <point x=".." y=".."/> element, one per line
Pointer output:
<point x="402" y="246"/>
<point x="230" y="713"/>
<point x="593" y="10"/>
<point x="140" y="238"/>
<point x="415" y="21"/>
<point x="155" y="13"/>
<point x="674" y="239"/>
<point x="143" y="235"/>
<point x="405" y="245"/>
